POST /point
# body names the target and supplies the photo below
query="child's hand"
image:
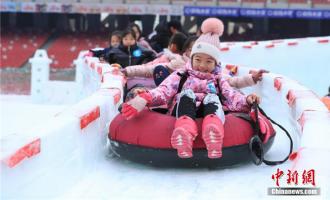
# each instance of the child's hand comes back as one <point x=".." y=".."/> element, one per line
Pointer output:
<point x="252" y="98"/>
<point x="116" y="65"/>
<point x="134" y="106"/>
<point x="134" y="92"/>
<point x="257" y="75"/>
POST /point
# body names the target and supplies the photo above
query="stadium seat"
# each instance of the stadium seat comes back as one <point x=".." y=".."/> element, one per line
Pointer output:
<point x="18" y="47"/>
<point x="66" y="47"/>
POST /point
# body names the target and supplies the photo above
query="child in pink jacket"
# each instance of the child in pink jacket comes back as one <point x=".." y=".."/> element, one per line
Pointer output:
<point x="198" y="96"/>
<point x="171" y="59"/>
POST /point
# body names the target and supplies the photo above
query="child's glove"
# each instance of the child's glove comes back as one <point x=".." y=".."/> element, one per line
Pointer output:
<point x="134" y="92"/>
<point x="131" y="108"/>
<point x="264" y="128"/>
<point x="251" y="98"/>
<point x="257" y="75"/>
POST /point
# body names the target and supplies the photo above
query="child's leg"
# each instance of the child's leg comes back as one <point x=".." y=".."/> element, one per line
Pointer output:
<point x="185" y="129"/>
<point x="212" y="128"/>
<point x="160" y="74"/>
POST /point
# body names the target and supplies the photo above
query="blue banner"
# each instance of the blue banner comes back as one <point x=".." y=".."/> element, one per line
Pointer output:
<point x="253" y="12"/>
<point x="280" y="13"/>
<point x="230" y="12"/>
<point x="8" y="7"/>
<point x="326" y="14"/>
<point x="211" y="11"/>
<point x="187" y="10"/>
<point x="257" y="12"/>
<point x="309" y="14"/>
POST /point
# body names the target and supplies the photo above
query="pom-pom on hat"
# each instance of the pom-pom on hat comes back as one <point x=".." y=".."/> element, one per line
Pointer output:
<point x="209" y="41"/>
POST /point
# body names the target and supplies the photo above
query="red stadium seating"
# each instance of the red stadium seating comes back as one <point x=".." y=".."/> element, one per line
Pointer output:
<point x="221" y="1"/>
<point x="297" y="1"/>
<point x="66" y="48"/>
<point x="253" y="1"/>
<point x="18" y="47"/>
<point x="327" y="2"/>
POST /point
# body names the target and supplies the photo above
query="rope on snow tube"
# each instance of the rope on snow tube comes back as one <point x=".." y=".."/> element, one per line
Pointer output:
<point x="256" y="145"/>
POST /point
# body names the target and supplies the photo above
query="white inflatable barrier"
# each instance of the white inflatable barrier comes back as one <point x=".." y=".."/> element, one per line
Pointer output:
<point x="44" y="90"/>
<point x="73" y="137"/>
<point x="301" y="104"/>
<point x="77" y="136"/>
<point x="303" y="110"/>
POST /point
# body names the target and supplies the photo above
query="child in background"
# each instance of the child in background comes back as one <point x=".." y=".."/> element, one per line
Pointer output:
<point x="162" y="72"/>
<point x="129" y="52"/>
<point x="160" y="39"/>
<point x="115" y="38"/>
<point x="140" y="40"/>
<point x="187" y="47"/>
<point x="198" y="96"/>
<point x="168" y="62"/>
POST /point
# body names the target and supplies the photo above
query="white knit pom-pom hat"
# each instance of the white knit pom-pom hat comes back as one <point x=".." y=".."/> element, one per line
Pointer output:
<point x="209" y="41"/>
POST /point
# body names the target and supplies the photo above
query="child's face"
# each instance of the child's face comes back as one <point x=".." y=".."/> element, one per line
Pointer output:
<point x="203" y="63"/>
<point x="188" y="51"/>
<point x="128" y="40"/>
<point x="115" y="41"/>
<point x="172" y="48"/>
<point x="137" y="33"/>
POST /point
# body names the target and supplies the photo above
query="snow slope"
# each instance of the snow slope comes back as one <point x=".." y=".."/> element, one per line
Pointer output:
<point x="74" y="162"/>
<point x="303" y="59"/>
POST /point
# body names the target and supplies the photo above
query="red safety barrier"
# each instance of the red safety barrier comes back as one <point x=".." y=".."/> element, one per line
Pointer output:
<point x="270" y="46"/>
<point x="294" y="94"/>
<point x="292" y="43"/>
<point x="278" y="83"/>
<point x="116" y="95"/>
<point x="323" y="41"/>
<point x="290" y="97"/>
<point x="247" y="46"/>
<point x="27" y="151"/>
<point x="89" y="117"/>
<point x="99" y="70"/>
<point x="92" y="65"/>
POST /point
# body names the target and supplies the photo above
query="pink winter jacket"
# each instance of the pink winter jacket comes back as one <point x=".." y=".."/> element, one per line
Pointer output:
<point x="168" y="59"/>
<point x="199" y="82"/>
<point x="142" y="42"/>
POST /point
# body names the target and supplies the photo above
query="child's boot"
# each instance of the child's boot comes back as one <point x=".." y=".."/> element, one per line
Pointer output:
<point x="183" y="136"/>
<point x="213" y="133"/>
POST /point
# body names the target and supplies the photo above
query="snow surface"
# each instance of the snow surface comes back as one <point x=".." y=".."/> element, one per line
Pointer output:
<point x="19" y="112"/>
<point x="99" y="175"/>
